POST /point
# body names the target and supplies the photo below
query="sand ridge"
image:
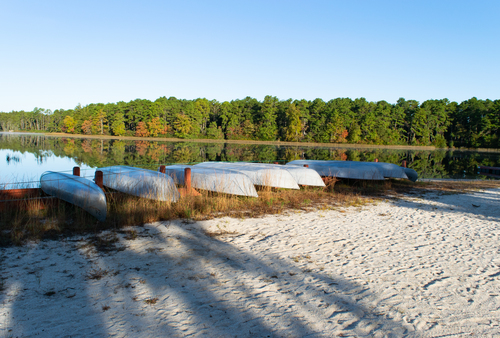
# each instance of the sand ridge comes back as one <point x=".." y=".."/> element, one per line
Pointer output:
<point x="423" y="265"/>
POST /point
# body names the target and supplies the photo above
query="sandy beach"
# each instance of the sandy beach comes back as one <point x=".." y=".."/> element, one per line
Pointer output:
<point x="422" y="265"/>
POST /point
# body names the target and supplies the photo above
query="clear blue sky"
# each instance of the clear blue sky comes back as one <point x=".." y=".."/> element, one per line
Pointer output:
<point x="56" y="54"/>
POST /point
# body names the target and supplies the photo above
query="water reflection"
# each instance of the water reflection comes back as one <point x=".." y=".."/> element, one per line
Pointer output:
<point x="34" y="154"/>
<point x="13" y="158"/>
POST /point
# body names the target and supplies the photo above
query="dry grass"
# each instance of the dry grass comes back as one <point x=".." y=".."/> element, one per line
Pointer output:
<point x="105" y="243"/>
<point x="97" y="274"/>
<point x="394" y="187"/>
<point x="220" y="233"/>
<point x="458" y="186"/>
<point x="449" y="187"/>
<point x="30" y="222"/>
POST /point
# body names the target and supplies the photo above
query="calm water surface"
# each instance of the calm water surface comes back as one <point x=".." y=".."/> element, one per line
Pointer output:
<point x="24" y="157"/>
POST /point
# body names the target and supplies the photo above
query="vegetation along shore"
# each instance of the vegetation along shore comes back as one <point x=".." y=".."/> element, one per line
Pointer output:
<point x="35" y="219"/>
<point x="473" y="123"/>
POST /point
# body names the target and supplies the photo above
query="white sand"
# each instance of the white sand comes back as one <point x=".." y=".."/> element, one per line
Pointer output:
<point x="423" y="266"/>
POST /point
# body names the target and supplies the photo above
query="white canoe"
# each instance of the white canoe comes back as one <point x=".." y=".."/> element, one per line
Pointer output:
<point x="303" y="176"/>
<point x="140" y="182"/>
<point x="75" y="190"/>
<point x="259" y="174"/>
<point x="212" y="179"/>
<point x="342" y="169"/>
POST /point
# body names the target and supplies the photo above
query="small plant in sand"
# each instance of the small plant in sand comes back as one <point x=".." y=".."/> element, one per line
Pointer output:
<point x="97" y="274"/>
<point x="220" y="233"/>
<point x="130" y="235"/>
<point x="153" y="250"/>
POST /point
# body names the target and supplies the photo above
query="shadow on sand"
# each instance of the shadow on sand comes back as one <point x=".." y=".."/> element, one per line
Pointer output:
<point x="478" y="204"/>
<point x="175" y="280"/>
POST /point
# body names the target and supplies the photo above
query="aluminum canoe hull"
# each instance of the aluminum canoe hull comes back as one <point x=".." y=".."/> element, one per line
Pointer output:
<point x="258" y="174"/>
<point x="212" y="179"/>
<point x="75" y="190"/>
<point x="411" y="174"/>
<point x="388" y="170"/>
<point x="341" y="169"/>
<point x="141" y="183"/>
<point x="303" y="176"/>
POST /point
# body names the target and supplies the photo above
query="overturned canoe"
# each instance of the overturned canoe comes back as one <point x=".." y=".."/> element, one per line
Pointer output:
<point x="411" y="174"/>
<point x="303" y="176"/>
<point x="213" y="179"/>
<point x="75" y="190"/>
<point x="341" y="169"/>
<point x="258" y="174"/>
<point x="140" y="182"/>
<point x="388" y="170"/>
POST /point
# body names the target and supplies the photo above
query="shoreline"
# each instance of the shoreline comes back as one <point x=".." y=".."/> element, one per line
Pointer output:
<point x="424" y="264"/>
<point x="276" y="143"/>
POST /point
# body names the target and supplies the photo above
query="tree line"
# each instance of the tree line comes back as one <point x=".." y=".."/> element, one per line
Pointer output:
<point x="150" y="154"/>
<point x="473" y="123"/>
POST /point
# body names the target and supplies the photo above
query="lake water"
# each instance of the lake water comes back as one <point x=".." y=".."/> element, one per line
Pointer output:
<point x="24" y="157"/>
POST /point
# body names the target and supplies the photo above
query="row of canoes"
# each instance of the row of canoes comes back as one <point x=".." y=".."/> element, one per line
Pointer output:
<point x="237" y="178"/>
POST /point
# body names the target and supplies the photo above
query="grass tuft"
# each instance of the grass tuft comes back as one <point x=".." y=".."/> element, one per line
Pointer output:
<point x="97" y="274"/>
<point x="220" y="233"/>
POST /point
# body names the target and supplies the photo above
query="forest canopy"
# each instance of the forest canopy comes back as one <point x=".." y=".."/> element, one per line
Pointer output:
<point x="473" y="123"/>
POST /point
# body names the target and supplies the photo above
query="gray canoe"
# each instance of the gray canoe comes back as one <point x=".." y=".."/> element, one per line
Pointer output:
<point x="388" y="170"/>
<point x="140" y="182"/>
<point x="342" y="169"/>
<point x="213" y="179"/>
<point x="259" y="174"/>
<point x="412" y="174"/>
<point x="75" y="190"/>
<point x="303" y="176"/>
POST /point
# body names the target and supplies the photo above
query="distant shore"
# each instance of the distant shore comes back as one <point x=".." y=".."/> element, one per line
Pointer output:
<point x="275" y="143"/>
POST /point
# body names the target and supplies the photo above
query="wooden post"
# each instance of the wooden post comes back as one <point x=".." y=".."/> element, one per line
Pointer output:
<point x="404" y="164"/>
<point x="76" y="171"/>
<point x="162" y="169"/>
<point x="187" y="190"/>
<point x="187" y="179"/>
<point x="376" y="160"/>
<point x="306" y="165"/>
<point x="98" y="178"/>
